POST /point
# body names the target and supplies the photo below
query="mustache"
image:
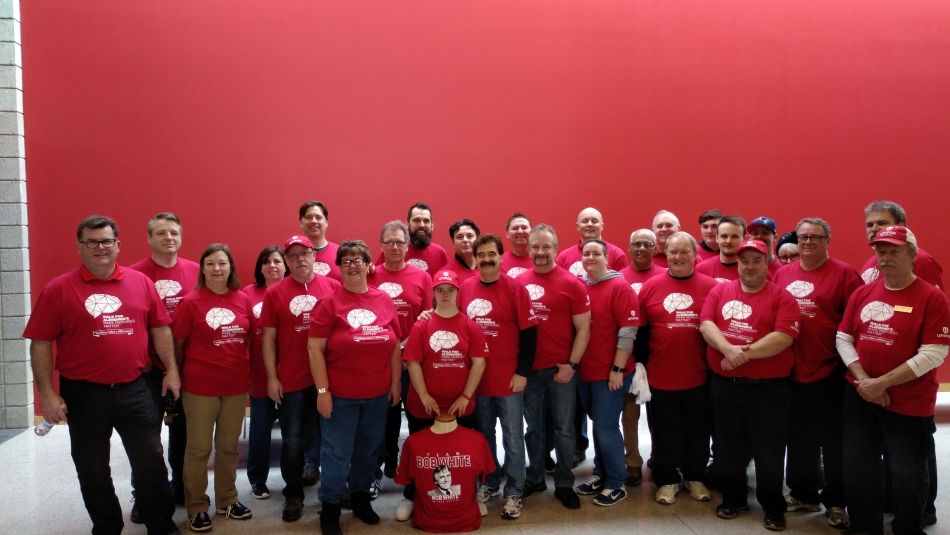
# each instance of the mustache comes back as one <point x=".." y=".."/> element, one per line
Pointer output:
<point x="487" y="263"/>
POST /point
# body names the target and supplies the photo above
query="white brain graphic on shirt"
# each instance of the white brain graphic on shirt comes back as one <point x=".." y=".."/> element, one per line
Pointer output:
<point x="321" y="268"/>
<point x="636" y="287"/>
<point x="800" y="288"/>
<point x="99" y="304"/>
<point x="257" y="310"/>
<point x="418" y="263"/>
<point x="515" y="271"/>
<point x="870" y="275"/>
<point x="359" y="317"/>
<point x="217" y="317"/>
<point x="576" y="269"/>
<point x="478" y="307"/>
<point x="301" y="304"/>
<point x="443" y="340"/>
<point x="393" y="289"/>
<point x="677" y="301"/>
<point x="736" y="310"/>
<point x="535" y="291"/>
<point x="876" y="311"/>
<point x="167" y="288"/>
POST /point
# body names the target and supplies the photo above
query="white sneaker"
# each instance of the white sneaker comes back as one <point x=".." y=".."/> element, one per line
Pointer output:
<point x="404" y="510"/>
<point x="485" y="493"/>
<point x="512" y="508"/>
<point x="697" y="491"/>
<point x="667" y="494"/>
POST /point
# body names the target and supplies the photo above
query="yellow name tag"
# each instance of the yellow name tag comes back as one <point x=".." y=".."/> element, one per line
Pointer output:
<point x="902" y="308"/>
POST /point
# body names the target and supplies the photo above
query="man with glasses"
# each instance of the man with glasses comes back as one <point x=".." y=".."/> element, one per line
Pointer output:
<point x="173" y="277"/>
<point x="821" y="285"/>
<point x="665" y="224"/>
<point x="101" y="316"/>
<point x="643" y="246"/>
<point x="411" y="291"/>
<point x="285" y="319"/>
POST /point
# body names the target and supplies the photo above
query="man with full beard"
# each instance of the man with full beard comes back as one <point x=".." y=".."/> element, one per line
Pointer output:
<point x="423" y="253"/>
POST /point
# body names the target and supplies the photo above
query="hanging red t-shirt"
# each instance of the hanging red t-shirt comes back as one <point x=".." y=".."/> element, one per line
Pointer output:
<point x="410" y="289"/>
<point x="714" y="268"/>
<point x="613" y="305"/>
<point x="925" y="267"/>
<point x="444" y="347"/>
<point x="822" y="295"/>
<point x="888" y="327"/>
<point x="514" y="265"/>
<point x="556" y="297"/>
<point x="362" y="330"/>
<point x="172" y="284"/>
<point x="671" y="308"/>
<point x="258" y="373"/>
<point x="217" y="329"/>
<point x="100" y="326"/>
<point x="744" y="318"/>
<point x="570" y="259"/>
<point x="501" y="310"/>
<point x="288" y="307"/>
<point x="324" y="261"/>
<point x="446" y="470"/>
<point x="636" y="278"/>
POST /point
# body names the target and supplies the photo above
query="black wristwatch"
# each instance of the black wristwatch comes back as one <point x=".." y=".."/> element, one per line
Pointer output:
<point x="573" y="365"/>
<point x="618" y="369"/>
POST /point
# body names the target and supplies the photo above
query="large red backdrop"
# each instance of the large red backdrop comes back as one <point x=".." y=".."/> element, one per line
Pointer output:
<point x="231" y="113"/>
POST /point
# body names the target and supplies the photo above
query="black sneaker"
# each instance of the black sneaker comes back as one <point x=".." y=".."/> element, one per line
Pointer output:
<point x="549" y="464"/>
<point x="135" y="516"/>
<point x="200" y="522"/>
<point x="579" y="457"/>
<point x="533" y="488"/>
<point x="593" y="485"/>
<point x="236" y="510"/>
<point x="293" y="509"/>
<point x="260" y="492"/>
<point x="567" y="497"/>
<point x="389" y="469"/>
<point x="774" y="522"/>
<point x="310" y="475"/>
<point x="608" y="497"/>
<point x="729" y="512"/>
<point x="375" y="488"/>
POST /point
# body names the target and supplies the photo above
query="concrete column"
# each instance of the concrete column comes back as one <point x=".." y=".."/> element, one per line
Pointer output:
<point x="16" y="377"/>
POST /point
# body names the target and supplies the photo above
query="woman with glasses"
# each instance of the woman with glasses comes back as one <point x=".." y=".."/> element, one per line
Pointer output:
<point x="355" y="361"/>
<point x="211" y="330"/>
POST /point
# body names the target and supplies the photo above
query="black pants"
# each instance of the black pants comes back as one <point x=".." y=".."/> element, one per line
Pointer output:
<point x="177" y="433"/>
<point x="815" y="429"/>
<point x="680" y="434"/>
<point x="94" y="411"/>
<point x="751" y="419"/>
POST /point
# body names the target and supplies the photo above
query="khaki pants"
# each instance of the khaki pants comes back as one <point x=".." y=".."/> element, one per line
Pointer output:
<point x="217" y="420"/>
<point x="631" y="441"/>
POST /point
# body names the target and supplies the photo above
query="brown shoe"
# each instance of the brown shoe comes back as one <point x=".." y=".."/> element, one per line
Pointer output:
<point x="634" y="476"/>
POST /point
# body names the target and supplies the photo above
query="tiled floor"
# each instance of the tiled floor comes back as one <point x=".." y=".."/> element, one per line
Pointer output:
<point x="40" y="495"/>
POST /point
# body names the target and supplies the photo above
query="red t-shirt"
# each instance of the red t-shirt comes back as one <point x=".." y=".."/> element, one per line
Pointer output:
<point x="888" y="327"/>
<point x="425" y="456"/>
<point x="324" y="261"/>
<point x="217" y="328"/>
<point x="671" y="308"/>
<point x="660" y="261"/>
<point x="258" y="373"/>
<point x="501" y="310"/>
<point x="463" y="271"/>
<point x="429" y="259"/>
<point x="513" y="265"/>
<point x="613" y="305"/>
<point x="822" y="295"/>
<point x="100" y="326"/>
<point x="925" y="267"/>
<point x="362" y="330"/>
<point x="637" y="278"/>
<point x="410" y="289"/>
<point x="445" y="347"/>
<point x="714" y="268"/>
<point x="556" y="297"/>
<point x="288" y="307"/>
<point x="744" y="318"/>
<point x="570" y="259"/>
<point x="172" y="284"/>
<point x="703" y="252"/>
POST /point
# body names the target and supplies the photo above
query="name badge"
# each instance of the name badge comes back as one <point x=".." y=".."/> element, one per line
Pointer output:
<point x="904" y="309"/>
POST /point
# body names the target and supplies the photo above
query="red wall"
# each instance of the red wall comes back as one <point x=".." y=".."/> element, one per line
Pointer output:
<point x="232" y="113"/>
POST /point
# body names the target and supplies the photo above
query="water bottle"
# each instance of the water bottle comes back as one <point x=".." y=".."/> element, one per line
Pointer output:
<point x="42" y="428"/>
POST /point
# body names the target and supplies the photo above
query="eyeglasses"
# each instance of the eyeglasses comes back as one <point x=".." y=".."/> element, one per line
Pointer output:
<point x="352" y="262"/>
<point x="394" y="243"/>
<point x="643" y="245"/>
<point x="814" y="238"/>
<point x="93" y="244"/>
<point x="785" y="259"/>
<point x="305" y="254"/>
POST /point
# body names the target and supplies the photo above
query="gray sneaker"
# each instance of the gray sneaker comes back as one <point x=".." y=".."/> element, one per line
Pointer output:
<point x="512" y="508"/>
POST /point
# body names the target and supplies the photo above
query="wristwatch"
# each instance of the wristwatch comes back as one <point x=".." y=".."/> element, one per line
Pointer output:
<point x="618" y="369"/>
<point x="323" y="390"/>
<point x="573" y="365"/>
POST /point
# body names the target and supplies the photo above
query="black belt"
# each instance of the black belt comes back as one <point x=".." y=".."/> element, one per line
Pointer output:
<point x="110" y="386"/>
<point x="750" y="381"/>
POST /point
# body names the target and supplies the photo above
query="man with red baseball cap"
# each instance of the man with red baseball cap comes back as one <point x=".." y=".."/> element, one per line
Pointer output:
<point x="750" y="325"/>
<point x="892" y="403"/>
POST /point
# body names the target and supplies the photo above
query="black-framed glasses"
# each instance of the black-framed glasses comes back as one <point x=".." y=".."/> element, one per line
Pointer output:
<point x="814" y="238"/>
<point x="94" y="244"/>
<point x="352" y="262"/>
<point x="394" y="243"/>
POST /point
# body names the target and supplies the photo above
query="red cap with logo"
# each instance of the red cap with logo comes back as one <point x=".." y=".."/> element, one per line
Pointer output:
<point x="298" y="240"/>
<point x="895" y="234"/>
<point x="445" y="277"/>
<point x="755" y="245"/>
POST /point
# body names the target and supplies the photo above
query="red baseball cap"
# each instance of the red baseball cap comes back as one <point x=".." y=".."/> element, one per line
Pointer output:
<point x="755" y="245"/>
<point x="296" y="239"/>
<point x="445" y="277"/>
<point x="896" y="234"/>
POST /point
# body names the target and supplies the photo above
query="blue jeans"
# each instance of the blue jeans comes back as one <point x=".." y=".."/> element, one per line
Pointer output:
<point x="510" y="410"/>
<point x="297" y="411"/>
<point x="353" y="437"/>
<point x="263" y="414"/>
<point x="559" y="400"/>
<point x="604" y="406"/>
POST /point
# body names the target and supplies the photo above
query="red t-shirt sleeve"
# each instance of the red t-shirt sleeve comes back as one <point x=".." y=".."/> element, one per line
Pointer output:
<point x="935" y="320"/>
<point x="580" y="303"/>
<point x="414" y="352"/>
<point x="526" y="317"/>
<point x="711" y="305"/>
<point x="626" y="309"/>
<point x="268" y="310"/>
<point x="787" y="314"/>
<point x="45" y="321"/>
<point x="847" y="319"/>
<point x="405" y="473"/>
<point x="182" y="324"/>
<point x="157" y="314"/>
<point x="322" y="319"/>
